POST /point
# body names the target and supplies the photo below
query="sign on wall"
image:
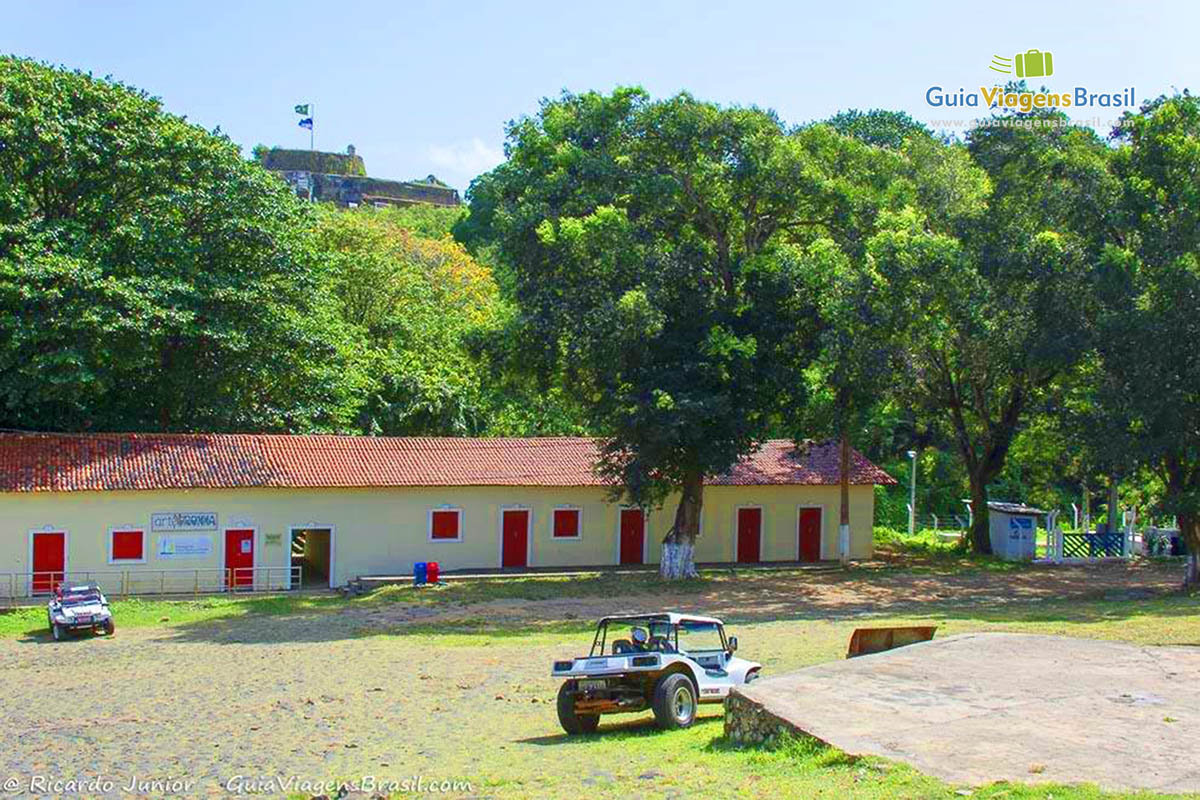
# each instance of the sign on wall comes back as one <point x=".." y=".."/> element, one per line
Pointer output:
<point x="185" y="546"/>
<point x="1021" y="528"/>
<point x="184" y="521"/>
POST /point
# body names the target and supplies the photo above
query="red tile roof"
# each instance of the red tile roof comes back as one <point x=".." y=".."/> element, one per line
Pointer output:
<point x="54" y="462"/>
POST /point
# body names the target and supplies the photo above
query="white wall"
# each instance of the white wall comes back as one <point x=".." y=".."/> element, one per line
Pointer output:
<point x="382" y="531"/>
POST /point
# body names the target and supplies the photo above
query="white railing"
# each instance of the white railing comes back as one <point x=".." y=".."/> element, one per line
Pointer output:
<point x="134" y="582"/>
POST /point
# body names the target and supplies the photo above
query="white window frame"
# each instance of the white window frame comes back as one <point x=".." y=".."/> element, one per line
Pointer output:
<point x="128" y="529"/>
<point x="429" y="525"/>
<point x="578" y="530"/>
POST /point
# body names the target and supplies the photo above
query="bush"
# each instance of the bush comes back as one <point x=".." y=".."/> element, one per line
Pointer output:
<point x="923" y="542"/>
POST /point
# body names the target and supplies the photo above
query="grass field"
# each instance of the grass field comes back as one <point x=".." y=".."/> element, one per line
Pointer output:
<point x="453" y="682"/>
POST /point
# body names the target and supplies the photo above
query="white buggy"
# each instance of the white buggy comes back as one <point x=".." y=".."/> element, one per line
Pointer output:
<point x="667" y="662"/>
<point x="78" y="607"/>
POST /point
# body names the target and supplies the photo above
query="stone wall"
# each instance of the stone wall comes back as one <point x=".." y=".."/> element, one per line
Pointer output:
<point x="747" y="722"/>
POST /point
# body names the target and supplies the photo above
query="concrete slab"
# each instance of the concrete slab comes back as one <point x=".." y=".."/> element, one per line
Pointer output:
<point x="986" y="707"/>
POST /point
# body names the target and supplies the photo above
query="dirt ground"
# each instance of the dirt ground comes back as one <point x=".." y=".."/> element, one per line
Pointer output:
<point x="870" y="590"/>
<point x="319" y="696"/>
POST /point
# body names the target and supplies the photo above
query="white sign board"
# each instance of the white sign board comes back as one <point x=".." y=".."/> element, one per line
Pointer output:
<point x="1021" y="528"/>
<point x="184" y="521"/>
<point x="185" y="546"/>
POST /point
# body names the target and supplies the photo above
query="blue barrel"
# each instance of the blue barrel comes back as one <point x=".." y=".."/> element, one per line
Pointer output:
<point x="420" y="573"/>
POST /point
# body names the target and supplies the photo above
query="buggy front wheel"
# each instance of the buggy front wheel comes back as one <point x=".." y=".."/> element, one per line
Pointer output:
<point x="573" y="723"/>
<point x="674" y="702"/>
<point x="109" y="627"/>
<point x="57" y="632"/>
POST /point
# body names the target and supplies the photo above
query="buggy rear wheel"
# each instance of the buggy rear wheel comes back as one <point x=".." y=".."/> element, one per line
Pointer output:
<point x="674" y="702"/>
<point x="571" y="722"/>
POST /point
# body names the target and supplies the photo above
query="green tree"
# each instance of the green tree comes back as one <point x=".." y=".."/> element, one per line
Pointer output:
<point x="1151" y="312"/>
<point x="640" y="241"/>
<point x="996" y="307"/>
<point x="879" y="127"/>
<point x="859" y="321"/>
<point x="150" y="278"/>
<point x="425" y="219"/>
<point x="416" y="302"/>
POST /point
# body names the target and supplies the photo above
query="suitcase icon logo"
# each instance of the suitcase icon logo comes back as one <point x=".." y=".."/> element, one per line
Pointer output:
<point x="1030" y="64"/>
<point x="1034" y="64"/>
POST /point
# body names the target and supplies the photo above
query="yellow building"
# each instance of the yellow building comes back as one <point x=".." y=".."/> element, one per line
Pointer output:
<point x="171" y="512"/>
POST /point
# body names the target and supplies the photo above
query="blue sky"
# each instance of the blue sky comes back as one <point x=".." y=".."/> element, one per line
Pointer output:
<point x="422" y="87"/>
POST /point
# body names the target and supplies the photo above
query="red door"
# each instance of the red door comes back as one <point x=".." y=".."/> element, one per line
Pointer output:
<point x="239" y="557"/>
<point x="749" y="535"/>
<point x="514" y="539"/>
<point x="633" y="535"/>
<point x="49" y="561"/>
<point x="810" y="534"/>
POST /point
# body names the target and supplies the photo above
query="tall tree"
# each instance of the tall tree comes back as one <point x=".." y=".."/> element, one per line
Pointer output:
<point x="150" y="278"/>
<point x="859" y="322"/>
<point x="640" y="240"/>
<point x="996" y="305"/>
<point x="878" y="126"/>
<point x="1151" y="312"/>
<point x="416" y="302"/>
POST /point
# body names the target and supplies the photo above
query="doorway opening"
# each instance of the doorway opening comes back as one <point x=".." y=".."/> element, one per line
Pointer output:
<point x="312" y="552"/>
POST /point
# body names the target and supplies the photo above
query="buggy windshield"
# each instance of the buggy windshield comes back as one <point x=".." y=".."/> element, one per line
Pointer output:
<point x="700" y="637"/>
<point x="83" y="598"/>
<point x="654" y="633"/>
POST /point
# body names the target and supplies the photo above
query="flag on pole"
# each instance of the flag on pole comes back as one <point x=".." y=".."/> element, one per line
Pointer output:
<point x="306" y="123"/>
<point x="302" y="110"/>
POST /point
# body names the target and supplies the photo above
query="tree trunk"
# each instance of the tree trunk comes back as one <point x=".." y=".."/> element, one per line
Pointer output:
<point x="1087" y="508"/>
<point x="679" y="545"/>
<point x="1189" y="529"/>
<point x="844" y="514"/>
<point x="981" y="537"/>
<point x="1114" y="505"/>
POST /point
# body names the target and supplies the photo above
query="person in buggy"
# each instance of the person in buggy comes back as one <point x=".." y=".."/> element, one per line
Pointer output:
<point x="656" y="640"/>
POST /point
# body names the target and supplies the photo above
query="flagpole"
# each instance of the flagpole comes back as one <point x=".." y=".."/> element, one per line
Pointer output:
<point x="312" y="116"/>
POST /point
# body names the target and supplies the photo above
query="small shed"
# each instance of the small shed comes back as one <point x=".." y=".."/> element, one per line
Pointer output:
<point x="1013" y="530"/>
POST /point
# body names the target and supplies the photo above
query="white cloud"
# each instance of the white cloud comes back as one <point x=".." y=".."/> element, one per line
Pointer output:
<point x="462" y="161"/>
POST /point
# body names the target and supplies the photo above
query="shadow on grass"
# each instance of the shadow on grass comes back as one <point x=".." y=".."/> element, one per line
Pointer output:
<point x="812" y="751"/>
<point x="266" y="621"/>
<point x="641" y="726"/>
<point x="936" y="592"/>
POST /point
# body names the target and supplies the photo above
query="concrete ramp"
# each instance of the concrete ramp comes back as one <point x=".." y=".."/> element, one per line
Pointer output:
<point x="978" y="708"/>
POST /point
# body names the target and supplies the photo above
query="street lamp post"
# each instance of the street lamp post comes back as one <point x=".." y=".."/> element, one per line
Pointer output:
<point x="912" y="495"/>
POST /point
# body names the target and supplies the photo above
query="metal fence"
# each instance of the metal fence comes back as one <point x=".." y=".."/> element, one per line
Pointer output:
<point x="1093" y="545"/>
<point x="948" y="521"/>
<point x="130" y="582"/>
<point x="1089" y="546"/>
